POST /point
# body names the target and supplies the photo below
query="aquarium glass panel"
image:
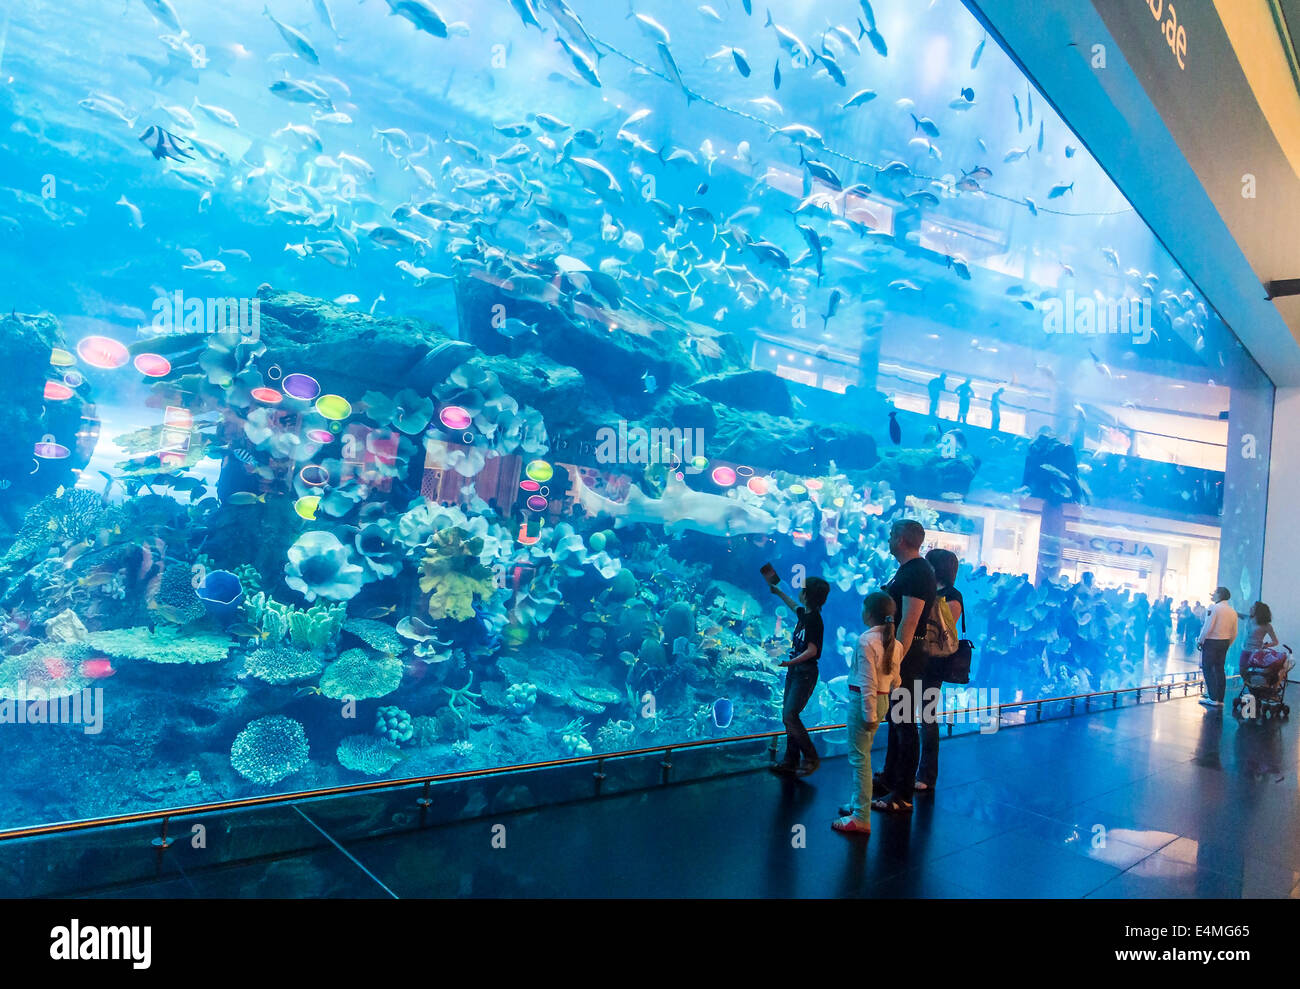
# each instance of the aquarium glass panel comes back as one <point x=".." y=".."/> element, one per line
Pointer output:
<point x="406" y="387"/>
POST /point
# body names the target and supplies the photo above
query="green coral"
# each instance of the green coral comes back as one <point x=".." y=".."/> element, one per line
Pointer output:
<point x="368" y="754"/>
<point x="269" y="750"/>
<point x="315" y="629"/>
<point x="454" y="576"/>
<point x="377" y="635"/>
<point x="167" y="645"/>
<point x="281" y="664"/>
<point x="362" y="676"/>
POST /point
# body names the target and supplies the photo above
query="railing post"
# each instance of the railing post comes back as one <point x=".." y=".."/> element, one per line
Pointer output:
<point x="162" y="841"/>
<point x="424" y="800"/>
<point x="1038" y="716"/>
<point x="771" y="751"/>
<point x="1072" y="707"/>
<point x="667" y="764"/>
<point x="598" y="777"/>
<point x="1114" y="700"/>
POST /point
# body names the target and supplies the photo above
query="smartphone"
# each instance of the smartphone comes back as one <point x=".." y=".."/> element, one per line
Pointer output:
<point x="769" y="573"/>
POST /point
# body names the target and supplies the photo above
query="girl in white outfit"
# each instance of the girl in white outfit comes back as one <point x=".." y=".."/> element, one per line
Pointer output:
<point x="876" y="671"/>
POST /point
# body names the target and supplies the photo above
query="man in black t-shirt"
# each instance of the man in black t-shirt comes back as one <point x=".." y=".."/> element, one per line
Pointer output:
<point x="913" y="589"/>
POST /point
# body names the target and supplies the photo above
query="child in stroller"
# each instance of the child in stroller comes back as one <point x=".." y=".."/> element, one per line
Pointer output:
<point x="1265" y="665"/>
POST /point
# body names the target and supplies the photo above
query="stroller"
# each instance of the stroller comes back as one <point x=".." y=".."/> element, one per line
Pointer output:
<point x="1263" y="675"/>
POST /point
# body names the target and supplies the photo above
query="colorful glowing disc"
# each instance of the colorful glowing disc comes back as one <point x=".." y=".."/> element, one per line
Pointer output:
<point x="334" y="407"/>
<point x="315" y="475"/>
<point x="102" y="352"/>
<point x="540" y="471"/>
<point x="838" y="502"/>
<point x="57" y="391"/>
<point x="152" y="365"/>
<point x="300" y="386"/>
<point x="797" y="489"/>
<point x="537" y="503"/>
<point x="744" y="471"/>
<point x="320" y="436"/>
<point x="306" y="507"/>
<point x="273" y="373"/>
<point x="724" y="477"/>
<point x="814" y="484"/>
<point x="61" y="358"/>
<point x="529" y="485"/>
<point x="758" y="485"/>
<point x="454" y="417"/>
<point x="699" y="463"/>
<point x="74" y="379"/>
<point x="267" y="395"/>
<point x="52" y="451"/>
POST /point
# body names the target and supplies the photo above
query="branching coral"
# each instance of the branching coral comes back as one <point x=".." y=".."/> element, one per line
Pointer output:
<point x="269" y="750"/>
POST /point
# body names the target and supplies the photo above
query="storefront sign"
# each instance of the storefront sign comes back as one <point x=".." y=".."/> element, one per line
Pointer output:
<point x="1166" y="17"/>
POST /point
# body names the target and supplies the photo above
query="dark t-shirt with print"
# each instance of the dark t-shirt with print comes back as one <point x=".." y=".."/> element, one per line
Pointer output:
<point x="914" y="579"/>
<point x="809" y="631"/>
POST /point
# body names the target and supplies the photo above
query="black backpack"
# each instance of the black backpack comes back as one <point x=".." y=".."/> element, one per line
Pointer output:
<point x="956" y="667"/>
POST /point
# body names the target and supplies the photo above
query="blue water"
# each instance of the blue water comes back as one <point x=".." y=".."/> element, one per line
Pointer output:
<point x="409" y="512"/>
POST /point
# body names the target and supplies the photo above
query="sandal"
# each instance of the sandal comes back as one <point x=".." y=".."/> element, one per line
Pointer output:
<point x="891" y="805"/>
<point x="920" y="787"/>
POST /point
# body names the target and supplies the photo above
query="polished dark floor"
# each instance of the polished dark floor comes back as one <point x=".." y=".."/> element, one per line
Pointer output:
<point x="1155" y="800"/>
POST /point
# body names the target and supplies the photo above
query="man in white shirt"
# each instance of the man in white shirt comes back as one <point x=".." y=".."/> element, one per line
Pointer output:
<point x="1218" y="634"/>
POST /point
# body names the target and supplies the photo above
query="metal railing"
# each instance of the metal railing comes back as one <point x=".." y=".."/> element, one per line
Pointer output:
<point x="1162" y="690"/>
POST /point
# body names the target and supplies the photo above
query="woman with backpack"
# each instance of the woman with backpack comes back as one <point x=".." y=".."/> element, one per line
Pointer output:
<point x="945" y="565"/>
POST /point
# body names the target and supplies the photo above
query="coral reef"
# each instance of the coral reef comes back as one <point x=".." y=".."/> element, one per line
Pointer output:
<point x="269" y="749"/>
<point x="368" y="754"/>
<point x="394" y="724"/>
<point x="377" y="635"/>
<point x="321" y="566"/>
<point x="361" y="675"/>
<point x="168" y="645"/>
<point x="281" y="664"/>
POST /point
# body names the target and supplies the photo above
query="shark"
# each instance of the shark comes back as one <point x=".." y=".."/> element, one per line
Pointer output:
<point x="680" y="509"/>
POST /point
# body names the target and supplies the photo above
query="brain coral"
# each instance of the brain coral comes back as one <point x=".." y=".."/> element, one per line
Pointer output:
<point x="358" y="674"/>
<point x="269" y="749"/>
<point x="368" y="754"/>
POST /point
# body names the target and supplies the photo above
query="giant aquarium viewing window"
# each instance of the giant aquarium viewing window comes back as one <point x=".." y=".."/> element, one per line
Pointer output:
<point x="401" y="388"/>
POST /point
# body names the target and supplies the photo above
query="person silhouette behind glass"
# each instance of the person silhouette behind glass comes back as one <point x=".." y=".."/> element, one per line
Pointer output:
<point x="995" y="409"/>
<point x="935" y="388"/>
<point x="964" y="394"/>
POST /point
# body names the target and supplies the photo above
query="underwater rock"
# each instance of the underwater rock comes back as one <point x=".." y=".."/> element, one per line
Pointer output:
<point x="797" y="445"/>
<point x="168" y="645"/>
<point x="269" y="750"/>
<point x="926" y="473"/>
<point x="316" y="337"/>
<point x="678" y="621"/>
<point x="281" y="664"/>
<point x="26" y="343"/>
<point x="652" y="653"/>
<point x="65" y="627"/>
<point x="368" y="754"/>
<point x="358" y="674"/>
<point x="761" y="391"/>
